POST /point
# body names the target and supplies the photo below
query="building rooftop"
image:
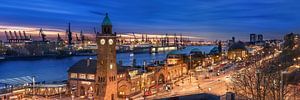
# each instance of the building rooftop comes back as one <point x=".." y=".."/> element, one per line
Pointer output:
<point x="106" y="20"/>
<point x="89" y="66"/>
<point x="237" y="45"/>
<point x="215" y="50"/>
<point x="293" y="77"/>
<point x="193" y="49"/>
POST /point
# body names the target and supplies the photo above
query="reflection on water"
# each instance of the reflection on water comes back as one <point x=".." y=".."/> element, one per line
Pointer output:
<point x="50" y="69"/>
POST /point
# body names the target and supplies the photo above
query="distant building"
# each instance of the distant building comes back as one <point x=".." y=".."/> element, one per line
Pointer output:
<point x="253" y="38"/>
<point x="290" y="40"/>
<point x="230" y="42"/>
<point x="237" y="51"/>
<point x="2" y="48"/>
<point x="260" y="38"/>
<point x="233" y="39"/>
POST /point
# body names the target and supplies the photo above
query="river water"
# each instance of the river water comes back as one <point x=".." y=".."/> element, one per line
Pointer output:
<point x="53" y="69"/>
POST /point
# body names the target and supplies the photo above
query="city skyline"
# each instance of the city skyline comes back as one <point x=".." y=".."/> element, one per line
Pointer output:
<point x="149" y="50"/>
<point x="206" y="19"/>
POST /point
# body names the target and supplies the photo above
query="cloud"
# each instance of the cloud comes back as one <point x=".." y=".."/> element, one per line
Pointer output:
<point x="209" y="18"/>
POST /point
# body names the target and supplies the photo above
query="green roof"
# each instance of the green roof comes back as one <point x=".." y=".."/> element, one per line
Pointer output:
<point x="195" y="50"/>
<point x="106" y="20"/>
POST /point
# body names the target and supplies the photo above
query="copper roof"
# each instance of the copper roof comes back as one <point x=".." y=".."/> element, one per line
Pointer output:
<point x="82" y="66"/>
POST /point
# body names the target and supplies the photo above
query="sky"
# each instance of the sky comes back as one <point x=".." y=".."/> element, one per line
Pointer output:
<point x="209" y="19"/>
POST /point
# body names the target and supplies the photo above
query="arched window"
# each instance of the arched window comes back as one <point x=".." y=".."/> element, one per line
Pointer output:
<point x="82" y="91"/>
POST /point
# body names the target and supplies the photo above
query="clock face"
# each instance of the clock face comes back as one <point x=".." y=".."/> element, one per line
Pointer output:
<point x="110" y="41"/>
<point x="102" y="41"/>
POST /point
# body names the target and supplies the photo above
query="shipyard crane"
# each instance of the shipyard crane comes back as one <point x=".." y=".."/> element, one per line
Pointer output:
<point x="175" y="40"/>
<point x="135" y="39"/>
<point x="77" y="38"/>
<point x="26" y="38"/>
<point x="21" y="37"/>
<point x="11" y="36"/>
<point x="82" y="38"/>
<point x="42" y="34"/>
<point x="7" y="37"/>
<point x="16" y="35"/>
<point x="69" y="34"/>
<point x="59" y="39"/>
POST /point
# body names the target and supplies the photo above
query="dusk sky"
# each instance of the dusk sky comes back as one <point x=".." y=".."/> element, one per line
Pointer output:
<point x="211" y="19"/>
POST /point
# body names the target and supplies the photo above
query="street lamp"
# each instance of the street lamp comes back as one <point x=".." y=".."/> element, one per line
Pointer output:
<point x="282" y="79"/>
<point x="190" y="61"/>
<point x="297" y="60"/>
<point x="33" y="86"/>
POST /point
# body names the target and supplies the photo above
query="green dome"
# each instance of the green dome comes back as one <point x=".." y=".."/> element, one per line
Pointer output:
<point x="106" y="20"/>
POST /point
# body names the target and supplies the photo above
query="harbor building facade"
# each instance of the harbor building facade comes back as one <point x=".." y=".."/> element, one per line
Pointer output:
<point x="104" y="79"/>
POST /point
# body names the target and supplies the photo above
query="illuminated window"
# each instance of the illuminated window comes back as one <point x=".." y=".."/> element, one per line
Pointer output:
<point x="91" y="76"/>
<point x="73" y="75"/>
<point x="132" y="89"/>
<point x="121" y="93"/>
<point x="82" y="76"/>
<point x="85" y="82"/>
<point x="111" y="66"/>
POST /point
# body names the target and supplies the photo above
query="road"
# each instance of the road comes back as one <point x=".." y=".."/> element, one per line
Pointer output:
<point x="217" y="85"/>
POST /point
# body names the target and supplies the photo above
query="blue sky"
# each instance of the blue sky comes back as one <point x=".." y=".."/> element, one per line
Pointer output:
<point x="211" y="19"/>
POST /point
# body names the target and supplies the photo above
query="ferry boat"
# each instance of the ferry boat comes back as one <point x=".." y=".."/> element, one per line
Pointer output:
<point x="2" y="58"/>
<point x="142" y="48"/>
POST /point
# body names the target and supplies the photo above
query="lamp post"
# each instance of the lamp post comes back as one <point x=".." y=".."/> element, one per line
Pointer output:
<point x="190" y="61"/>
<point x="297" y="60"/>
<point x="282" y="84"/>
<point x="33" y="86"/>
<point x="258" y="84"/>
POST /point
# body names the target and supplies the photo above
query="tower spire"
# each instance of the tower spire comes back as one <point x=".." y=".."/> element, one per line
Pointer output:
<point x="106" y="25"/>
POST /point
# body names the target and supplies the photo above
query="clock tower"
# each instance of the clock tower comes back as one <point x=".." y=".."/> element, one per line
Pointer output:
<point x="106" y="75"/>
